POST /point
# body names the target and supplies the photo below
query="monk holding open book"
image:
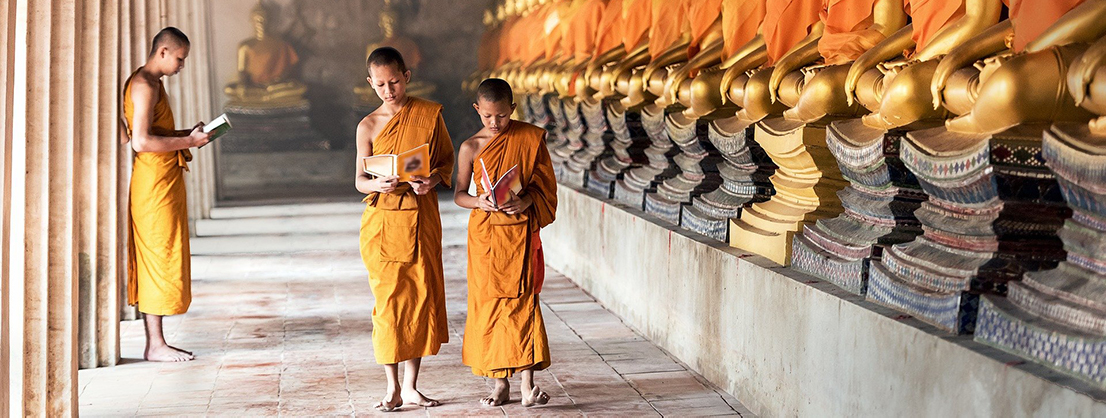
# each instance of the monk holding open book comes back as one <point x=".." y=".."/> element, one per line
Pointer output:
<point x="515" y="196"/>
<point x="401" y="231"/>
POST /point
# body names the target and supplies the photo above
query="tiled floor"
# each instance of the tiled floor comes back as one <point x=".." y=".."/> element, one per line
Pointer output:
<point x="287" y="332"/>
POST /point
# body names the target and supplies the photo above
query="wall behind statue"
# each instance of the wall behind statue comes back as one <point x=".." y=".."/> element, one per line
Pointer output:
<point x="330" y="37"/>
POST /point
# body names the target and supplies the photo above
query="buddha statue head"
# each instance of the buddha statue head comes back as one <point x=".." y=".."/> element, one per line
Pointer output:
<point x="489" y="18"/>
<point x="260" y="17"/>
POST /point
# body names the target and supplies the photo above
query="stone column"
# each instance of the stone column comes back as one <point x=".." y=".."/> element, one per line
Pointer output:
<point x="7" y="64"/>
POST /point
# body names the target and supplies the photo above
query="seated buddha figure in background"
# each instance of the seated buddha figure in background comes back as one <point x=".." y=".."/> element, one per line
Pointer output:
<point x="703" y="24"/>
<point x="811" y="79"/>
<point x="789" y="27"/>
<point x="892" y="79"/>
<point x="407" y="47"/>
<point x="742" y="48"/>
<point x="667" y="45"/>
<point x="265" y="65"/>
<point x="609" y="67"/>
<point x="1022" y="77"/>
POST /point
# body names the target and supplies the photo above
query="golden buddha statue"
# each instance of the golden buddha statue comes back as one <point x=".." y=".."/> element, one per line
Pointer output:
<point x="264" y="69"/>
<point x="668" y="42"/>
<point x="1023" y="74"/>
<point x="894" y="84"/>
<point x="706" y="51"/>
<point x="407" y="47"/>
<point x="1087" y="83"/>
<point x="811" y="80"/>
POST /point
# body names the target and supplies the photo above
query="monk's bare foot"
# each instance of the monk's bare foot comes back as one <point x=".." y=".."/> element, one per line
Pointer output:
<point x="182" y="350"/>
<point x="389" y="403"/>
<point x="535" y="397"/>
<point x="167" y="354"/>
<point x="499" y="396"/>
<point x="414" y="397"/>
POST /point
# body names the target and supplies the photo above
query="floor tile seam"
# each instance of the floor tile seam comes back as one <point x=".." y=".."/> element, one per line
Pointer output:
<point x="345" y="365"/>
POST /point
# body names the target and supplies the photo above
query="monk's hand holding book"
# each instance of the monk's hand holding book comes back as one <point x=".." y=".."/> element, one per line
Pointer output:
<point x="386" y="184"/>
<point x="515" y="204"/>
<point x="422" y="185"/>
<point x="484" y="203"/>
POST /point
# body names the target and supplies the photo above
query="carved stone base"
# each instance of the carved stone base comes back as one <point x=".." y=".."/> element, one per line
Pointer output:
<point x="805" y="183"/>
<point x="879" y="207"/>
<point x="992" y="215"/>
<point x="709" y="214"/>
<point x="272" y="129"/>
<point x="570" y="174"/>
<point x="630" y="190"/>
<point x="627" y="150"/>
<point x="1058" y="317"/>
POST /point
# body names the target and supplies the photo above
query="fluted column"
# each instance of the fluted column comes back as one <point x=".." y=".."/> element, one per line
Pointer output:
<point x="7" y="65"/>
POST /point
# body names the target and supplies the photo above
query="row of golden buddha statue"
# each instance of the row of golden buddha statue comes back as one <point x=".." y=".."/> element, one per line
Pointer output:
<point x="942" y="158"/>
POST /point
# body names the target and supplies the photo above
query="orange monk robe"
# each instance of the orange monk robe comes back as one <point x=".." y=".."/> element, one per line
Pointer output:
<point x="740" y="21"/>
<point x="848" y="32"/>
<point x="927" y="17"/>
<point x="568" y="12"/>
<point x="267" y="68"/>
<point x="701" y="14"/>
<point x="786" y="22"/>
<point x="608" y="34"/>
<point x="637" y="15"/>
<point x="401" y="242"/>
<point x="535" y="27"/>
<point x="1032" y="17"/>
<point x="504" y="332"/>
<point x="669" y="23"/>
<point x="160" y="274"/>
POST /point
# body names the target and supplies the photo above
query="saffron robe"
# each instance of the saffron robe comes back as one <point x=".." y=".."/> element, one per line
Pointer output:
<point x="401" y="242"/>
<point x="786" y="22"/>
<point x="504" y="331"/>
<point x="160" y="273"/>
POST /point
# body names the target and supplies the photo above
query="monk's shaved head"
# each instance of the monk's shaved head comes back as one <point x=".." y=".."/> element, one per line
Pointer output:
<point x="386" y="56"/>
<point x="495" y="90"/>
<point x="170" y="37"/>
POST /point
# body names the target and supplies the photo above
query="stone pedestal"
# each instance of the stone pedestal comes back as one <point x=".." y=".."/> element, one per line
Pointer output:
<point x="1058" y="317"/>
<point x="806" y="184"/>
<point x="563" y="146"/>
<point x="572" y="174"/>
<point x="266" y="129"/>
<point x="631" y="189"/>
<point x="879" y="207"/>
<point x="992" y="215"/>
<point x="698" y="169"/>
<point x="596" y="136"/>
<point x="627" y="150"/>
<point x="744" y="170"/>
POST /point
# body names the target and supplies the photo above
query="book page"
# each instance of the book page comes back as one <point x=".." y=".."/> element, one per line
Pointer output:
<point x="415" y="162"/>
<point x="379" y="165"/>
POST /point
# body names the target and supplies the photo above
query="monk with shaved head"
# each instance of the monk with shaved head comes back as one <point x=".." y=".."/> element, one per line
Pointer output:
<point x="160" y="264"/>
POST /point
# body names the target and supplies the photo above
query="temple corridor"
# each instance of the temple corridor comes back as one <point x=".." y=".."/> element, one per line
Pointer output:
<point x="280" y="323"/>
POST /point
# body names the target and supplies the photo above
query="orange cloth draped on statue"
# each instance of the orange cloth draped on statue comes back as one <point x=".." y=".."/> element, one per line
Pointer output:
<point x="637" y="15"/>
<point x="584" y="27"/>
<point x="740" y="21"/>
<point x="488" y="53"/>
<point x="535" y="26"/>
<point x="700" y="15"/>
<point x="848" y="32"/>
<point x="160" y="273"/>
<point x="608" y="34"/>
<point x="504" y="332"/>
<point x="267" y="68"/>
<point x="506" y="42"/>
<point x="1032" y="17"/>
<point x="669" y="23"/>
<point x="401" y="242"/>
<point x="786" y="22"/>
<point x="927" y="17"/>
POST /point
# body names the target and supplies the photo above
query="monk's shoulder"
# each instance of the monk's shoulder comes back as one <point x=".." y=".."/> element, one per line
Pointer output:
<point x="531" y="132"/>
<point x="424" y="106"/>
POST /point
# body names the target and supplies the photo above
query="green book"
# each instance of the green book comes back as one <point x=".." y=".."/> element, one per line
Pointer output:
<point x="218" y="127"/>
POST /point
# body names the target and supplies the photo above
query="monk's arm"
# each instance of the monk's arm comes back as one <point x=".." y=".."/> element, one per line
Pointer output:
<point x="142" y="140"/>
<point x="443" y="153"/>
<point x="461" y="194"/>
<point x="367" y="184"/>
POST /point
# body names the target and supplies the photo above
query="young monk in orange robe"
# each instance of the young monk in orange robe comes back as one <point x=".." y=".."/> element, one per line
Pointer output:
<point x="504" y="331"/>
<point x="401" y="231"/>
<point x="160" y="276"/>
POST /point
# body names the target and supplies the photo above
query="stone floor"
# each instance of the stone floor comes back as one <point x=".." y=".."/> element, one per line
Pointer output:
<point x="280" y="323"/>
